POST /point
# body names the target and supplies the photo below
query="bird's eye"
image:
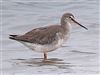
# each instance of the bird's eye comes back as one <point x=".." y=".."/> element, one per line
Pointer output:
<point x="71" y="16"/>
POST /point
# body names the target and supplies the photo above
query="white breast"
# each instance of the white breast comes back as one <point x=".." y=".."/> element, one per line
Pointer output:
<point x="43" y="48"/>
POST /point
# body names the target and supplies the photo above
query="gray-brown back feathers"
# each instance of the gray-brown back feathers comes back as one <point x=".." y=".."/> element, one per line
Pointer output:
<point x="43" y="35"/>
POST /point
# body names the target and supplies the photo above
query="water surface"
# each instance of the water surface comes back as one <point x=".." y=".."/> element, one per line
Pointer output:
<point x="78" y="55"/>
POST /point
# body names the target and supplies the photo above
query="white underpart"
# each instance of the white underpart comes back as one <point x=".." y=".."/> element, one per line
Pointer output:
<point x="44" y="48"/>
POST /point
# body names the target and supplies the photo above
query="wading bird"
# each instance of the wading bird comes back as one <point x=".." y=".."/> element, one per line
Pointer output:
<point x="49" y="38"/>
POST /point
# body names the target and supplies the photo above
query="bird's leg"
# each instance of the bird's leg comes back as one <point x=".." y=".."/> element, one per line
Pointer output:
<point x="45" y="56"/>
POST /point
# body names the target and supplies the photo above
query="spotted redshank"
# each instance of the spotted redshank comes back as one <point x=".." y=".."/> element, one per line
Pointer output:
<point x="49" y="38"/>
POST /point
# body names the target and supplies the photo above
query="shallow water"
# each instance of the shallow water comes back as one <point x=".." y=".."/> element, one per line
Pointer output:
<point x="80" y="54"/>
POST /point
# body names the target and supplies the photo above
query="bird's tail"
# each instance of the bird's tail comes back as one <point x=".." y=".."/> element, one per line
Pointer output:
<point x="13" y="37"/>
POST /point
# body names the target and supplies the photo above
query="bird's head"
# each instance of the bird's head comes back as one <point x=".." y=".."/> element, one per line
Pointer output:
<point x="68" y="17"/>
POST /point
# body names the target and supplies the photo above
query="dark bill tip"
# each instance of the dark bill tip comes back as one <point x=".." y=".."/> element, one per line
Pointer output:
<point x="84" y="27"/>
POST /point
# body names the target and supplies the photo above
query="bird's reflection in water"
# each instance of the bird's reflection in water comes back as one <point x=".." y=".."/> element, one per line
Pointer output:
<point x="59" y="63"/>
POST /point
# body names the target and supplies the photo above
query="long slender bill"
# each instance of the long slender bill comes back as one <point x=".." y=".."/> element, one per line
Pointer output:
<point x="78" y="23"/>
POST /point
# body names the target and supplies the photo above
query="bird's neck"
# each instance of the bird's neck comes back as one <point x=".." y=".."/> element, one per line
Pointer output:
<point x="66" y="26"/>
